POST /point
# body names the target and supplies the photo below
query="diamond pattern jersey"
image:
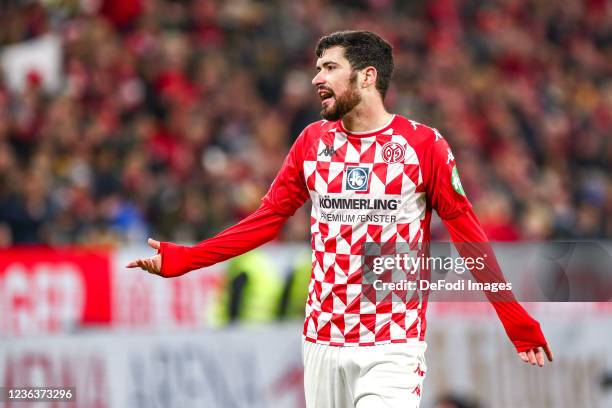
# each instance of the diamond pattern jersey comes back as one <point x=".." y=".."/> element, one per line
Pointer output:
<point x="372" y="194"/>
<point x="368" y="190"/>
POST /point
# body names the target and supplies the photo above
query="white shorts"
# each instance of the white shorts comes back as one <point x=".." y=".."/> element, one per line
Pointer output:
<point x="385" y="376"/>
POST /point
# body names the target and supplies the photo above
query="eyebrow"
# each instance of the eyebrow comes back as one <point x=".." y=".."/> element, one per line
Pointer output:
<point x="326" y="64"/>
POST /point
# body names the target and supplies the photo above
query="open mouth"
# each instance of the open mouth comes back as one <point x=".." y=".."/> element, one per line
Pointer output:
<point x="325" y="95"/>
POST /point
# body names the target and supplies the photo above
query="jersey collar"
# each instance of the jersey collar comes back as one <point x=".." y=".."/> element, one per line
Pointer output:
<point x="367" y="132"/>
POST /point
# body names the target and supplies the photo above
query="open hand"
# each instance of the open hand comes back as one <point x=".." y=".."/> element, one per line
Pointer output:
<point x="152" y="264"/>
<point x="536" y="355"/>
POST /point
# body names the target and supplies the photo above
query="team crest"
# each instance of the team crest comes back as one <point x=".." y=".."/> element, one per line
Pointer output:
<point x="393" y="152"/>
<point x="357" y="178"/>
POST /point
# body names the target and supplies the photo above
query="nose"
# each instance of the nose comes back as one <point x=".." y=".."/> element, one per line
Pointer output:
<point x="318" y="79"/>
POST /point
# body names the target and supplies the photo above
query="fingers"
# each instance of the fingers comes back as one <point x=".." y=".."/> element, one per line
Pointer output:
<point x="148" y="264"/>
<point x="135" y="264"/>
<point x="549" y="353"/>
<point x="531" y="356"/>
<point x="153" y="243"/>
<point x="536" y="355"/>
<point x="539" y="355"/>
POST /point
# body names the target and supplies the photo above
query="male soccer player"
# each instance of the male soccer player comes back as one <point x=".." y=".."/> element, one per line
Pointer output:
<point x="372" y="177"/>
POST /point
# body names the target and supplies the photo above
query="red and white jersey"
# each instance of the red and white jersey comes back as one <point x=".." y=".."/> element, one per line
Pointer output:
<point x="372" y="197"/>
<point x="379" y="187"/>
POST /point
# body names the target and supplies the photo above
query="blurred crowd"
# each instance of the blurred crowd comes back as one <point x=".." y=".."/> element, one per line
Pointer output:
<point x="173" y="116"/>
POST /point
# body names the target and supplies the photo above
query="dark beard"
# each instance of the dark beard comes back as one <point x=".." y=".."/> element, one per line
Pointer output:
<point x="344" y="103"/>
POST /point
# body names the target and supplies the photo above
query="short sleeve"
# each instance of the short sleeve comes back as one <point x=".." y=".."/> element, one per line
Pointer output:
<point x="288" y="192"/>
<point x="444" y="189"/>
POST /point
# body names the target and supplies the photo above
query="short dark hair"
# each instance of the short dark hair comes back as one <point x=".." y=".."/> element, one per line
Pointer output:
<point x="363" y="49"/>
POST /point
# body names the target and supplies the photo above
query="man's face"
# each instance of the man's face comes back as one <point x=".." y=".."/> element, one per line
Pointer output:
<point x="336" y="84"/>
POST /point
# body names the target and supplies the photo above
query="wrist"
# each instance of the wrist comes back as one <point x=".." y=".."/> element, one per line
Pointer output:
<point x="173" y="259"/>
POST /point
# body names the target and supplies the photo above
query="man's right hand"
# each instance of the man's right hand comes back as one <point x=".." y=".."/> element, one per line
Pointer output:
<point x="152" y="264"/>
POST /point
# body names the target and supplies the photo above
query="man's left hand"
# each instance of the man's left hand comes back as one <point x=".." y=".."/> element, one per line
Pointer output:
<point x="536" y="355"/>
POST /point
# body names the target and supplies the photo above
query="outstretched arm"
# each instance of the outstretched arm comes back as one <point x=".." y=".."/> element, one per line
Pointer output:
<point x="287" y="193"/>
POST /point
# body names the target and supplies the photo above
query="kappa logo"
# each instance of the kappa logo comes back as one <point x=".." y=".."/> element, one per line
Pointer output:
<point x="438" y="135"/>
<point x="328" y="151"/>
<point x="357" y="178"/>
<point x="419" y="372"/>
<point x="450" y="157"/>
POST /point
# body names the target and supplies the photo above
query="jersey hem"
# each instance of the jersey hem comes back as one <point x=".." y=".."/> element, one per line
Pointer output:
<point x="415" y="340"/>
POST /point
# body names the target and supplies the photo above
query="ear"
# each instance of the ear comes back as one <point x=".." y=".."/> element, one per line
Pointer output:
<point x="369" y="76"/>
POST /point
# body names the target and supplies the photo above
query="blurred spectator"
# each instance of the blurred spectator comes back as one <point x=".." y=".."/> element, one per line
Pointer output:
<point x="174" y="116"/>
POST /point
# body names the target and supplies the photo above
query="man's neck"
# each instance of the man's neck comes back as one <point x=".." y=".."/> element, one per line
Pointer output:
<point x="366" y="117"/>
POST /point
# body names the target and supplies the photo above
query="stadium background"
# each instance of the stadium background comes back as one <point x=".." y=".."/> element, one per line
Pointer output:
<point x="121" y="120"/>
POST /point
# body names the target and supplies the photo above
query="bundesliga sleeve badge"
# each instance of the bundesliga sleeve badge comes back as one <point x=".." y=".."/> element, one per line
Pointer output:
<point x="456" y="182"/>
